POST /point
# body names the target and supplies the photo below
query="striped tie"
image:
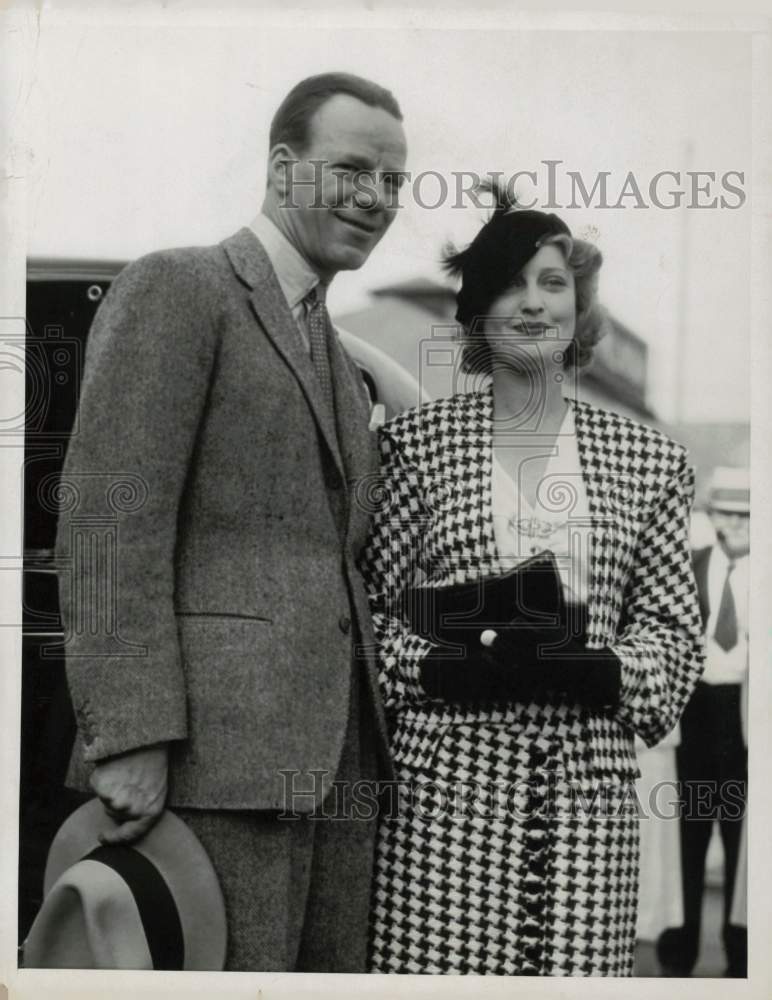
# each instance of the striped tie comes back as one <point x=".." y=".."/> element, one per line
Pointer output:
<point x="318" y="324"/>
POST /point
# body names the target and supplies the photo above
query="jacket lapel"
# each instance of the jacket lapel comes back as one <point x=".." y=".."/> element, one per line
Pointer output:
<point x="481" y="425"/>
<point x="464" y="486"/>
<point x="351" y="411"/>
<point x="701" y="562"/>
<point x="357" y="444"/>
<point x="253" y="266"/>
<point x="605" y="485"/>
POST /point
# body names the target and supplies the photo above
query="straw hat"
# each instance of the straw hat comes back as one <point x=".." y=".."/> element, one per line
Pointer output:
<point x="730" y="490"/>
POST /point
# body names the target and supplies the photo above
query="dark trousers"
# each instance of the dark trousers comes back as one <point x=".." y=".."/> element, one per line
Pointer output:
<point x="297" y="891"/>
<point x="712" y="772"/>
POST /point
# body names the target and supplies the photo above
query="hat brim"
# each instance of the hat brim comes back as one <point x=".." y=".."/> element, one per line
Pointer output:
<point x="179" y="857"/>
<point x="729" y="507"/>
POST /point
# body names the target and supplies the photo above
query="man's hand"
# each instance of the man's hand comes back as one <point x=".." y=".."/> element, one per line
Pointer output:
<point x="132" y="787"/>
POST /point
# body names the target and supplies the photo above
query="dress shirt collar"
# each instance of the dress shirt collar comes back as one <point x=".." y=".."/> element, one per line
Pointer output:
<point x="721" y="560"/>
<point x="296" y="276"/>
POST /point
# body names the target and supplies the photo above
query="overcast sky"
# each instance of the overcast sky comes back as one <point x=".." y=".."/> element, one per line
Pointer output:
<point x="140" y="137"/>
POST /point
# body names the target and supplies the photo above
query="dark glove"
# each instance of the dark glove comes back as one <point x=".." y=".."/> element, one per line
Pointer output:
<point x="524" y="664"/>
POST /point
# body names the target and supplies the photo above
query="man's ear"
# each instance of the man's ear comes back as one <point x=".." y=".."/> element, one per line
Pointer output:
<point x="281" y="162"/>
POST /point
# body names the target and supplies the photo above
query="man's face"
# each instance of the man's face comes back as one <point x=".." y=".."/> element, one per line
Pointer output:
<point x="346" y="202"/>
<point x="733" y="531"/>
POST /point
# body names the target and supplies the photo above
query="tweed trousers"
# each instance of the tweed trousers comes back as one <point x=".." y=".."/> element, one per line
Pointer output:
<point x="297" y="890"/>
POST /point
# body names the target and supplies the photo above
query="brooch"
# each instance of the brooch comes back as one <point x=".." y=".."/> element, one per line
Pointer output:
<point x="534" y="527"/>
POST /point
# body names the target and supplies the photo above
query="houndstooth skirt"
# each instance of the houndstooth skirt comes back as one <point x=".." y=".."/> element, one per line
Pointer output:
<point x="500" y="851"/>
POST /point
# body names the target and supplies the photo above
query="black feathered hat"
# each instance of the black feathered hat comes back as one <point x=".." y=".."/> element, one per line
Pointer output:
<point x="497" y="254"/>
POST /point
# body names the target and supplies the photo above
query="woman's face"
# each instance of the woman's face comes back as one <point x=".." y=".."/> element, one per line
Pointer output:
<point x="536" y="316"/>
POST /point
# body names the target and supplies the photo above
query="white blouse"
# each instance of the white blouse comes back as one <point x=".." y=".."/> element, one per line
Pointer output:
<point x="559" y="521"/>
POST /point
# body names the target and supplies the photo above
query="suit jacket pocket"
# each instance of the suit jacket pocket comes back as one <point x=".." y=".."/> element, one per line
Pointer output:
<point x="223" y="616"/>
<point x="263" y="699"/>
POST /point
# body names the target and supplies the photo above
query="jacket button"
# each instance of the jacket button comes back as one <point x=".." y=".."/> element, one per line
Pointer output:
<point x="344" y="624"/>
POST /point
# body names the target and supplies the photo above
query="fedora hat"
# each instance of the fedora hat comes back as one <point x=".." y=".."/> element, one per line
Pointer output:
<point x="730" y="490"/>
<point x="155" y="904"/>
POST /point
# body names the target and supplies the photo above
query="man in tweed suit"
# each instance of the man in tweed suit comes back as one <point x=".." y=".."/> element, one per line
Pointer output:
<point x="222" y="678"/>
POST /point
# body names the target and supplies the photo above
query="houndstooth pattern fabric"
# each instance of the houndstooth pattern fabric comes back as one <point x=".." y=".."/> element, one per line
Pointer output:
<point x="546" y="887"/>
<point x="503" y="855"/>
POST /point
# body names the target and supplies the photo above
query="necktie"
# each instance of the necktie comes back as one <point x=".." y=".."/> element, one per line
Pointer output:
<point x="725" y="632"/>
<point x="318" y="325"/>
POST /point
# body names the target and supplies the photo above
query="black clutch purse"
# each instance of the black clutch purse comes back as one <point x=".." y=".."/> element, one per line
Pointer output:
<point x="530" y="596"/>
<point x="539" y="649"/>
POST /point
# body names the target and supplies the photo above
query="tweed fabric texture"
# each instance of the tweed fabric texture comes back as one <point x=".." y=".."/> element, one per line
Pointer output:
<point x="229" y="623"/>
<point x="545" y="884"/>
<point x="297" y="890"/>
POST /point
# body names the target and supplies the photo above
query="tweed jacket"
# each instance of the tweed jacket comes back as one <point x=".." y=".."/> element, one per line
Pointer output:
<point x="226" y="608"/>
<point x="436" y="517"/>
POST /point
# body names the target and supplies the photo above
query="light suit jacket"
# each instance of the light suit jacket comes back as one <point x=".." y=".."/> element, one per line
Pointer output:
<point x="701" y="561"/>
<point x="209" y="533"/>
<point x="436" y="516"/>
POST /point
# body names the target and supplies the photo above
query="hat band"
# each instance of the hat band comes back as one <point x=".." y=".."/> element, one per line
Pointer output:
<point x="728" y="495"/>
<point x="155" y="903"/>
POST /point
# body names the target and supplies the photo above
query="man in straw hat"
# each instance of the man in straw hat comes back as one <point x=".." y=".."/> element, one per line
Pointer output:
<point x="226" y="668"/>
<point x="712" y="757"/>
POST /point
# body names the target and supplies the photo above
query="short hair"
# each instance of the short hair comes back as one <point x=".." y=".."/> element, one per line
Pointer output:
<point x="291" y="123"/>
<point x="480" y="264"/>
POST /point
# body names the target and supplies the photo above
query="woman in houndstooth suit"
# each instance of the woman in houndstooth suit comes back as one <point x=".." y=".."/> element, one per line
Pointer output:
<point x="510" y="844"/>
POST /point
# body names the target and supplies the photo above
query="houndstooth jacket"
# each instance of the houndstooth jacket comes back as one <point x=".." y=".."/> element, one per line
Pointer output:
<point x="434" y="515"/>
